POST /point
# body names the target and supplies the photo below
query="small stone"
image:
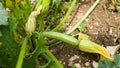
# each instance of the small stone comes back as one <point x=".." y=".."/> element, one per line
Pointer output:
<point x="82" y="0"/>
<point x="68" y="55"/>
<point x="115" y="35"/>
<point x="112" y="49"/>
<point x="70" y="63"/>
<point x="111" y="31"/>
<point x="91" y="27"/>
<point x="96" y="23"/>
<point x="95" y="64"/>
<point x="74" y="58"/>
<point x="77" y="65"/>
<point x="87" y="63"/>
<point x="79" y="61"/>
<point x="64" y="63"/>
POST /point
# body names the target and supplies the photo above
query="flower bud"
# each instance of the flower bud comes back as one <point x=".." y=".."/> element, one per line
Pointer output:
<point x="31" y="23"/>
<point x="91" y="47"/>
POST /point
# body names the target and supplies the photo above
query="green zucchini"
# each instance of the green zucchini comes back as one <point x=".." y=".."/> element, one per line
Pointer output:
<point x="62" y="37"/>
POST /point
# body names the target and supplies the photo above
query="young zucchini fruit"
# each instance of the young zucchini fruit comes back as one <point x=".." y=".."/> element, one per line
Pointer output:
<point x="62" y="37"/>
<point x="83" y="43"/>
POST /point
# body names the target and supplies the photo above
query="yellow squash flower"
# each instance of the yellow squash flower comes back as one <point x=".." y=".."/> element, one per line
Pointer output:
<point x="91" y="47"/>
<point x="88" y="46"/>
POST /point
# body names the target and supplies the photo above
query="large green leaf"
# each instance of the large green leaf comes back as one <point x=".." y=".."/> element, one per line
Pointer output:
<point x="3" y="15"/>
<point x="9" y="48"/>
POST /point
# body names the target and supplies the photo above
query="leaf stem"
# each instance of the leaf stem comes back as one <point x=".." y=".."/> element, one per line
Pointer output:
<point x="22" y="53"/>
<point x="54" y="59"/>
<point x="84" y="17"/>
<point x="66" y="16"/>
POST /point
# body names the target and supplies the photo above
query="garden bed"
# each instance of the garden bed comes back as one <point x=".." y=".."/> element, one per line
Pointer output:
<point x="103" y="25"/>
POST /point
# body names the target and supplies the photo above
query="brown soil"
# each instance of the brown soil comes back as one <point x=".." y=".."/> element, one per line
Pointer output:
<point x="103" y="25"/>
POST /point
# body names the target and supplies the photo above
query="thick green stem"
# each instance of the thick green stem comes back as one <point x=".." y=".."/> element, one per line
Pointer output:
<point x="62" y="37"/>
<point x="22" y="53"/>
<point x="84" y="17"/>
<point x="66" y="16"/>
<point x="54" y="59"/>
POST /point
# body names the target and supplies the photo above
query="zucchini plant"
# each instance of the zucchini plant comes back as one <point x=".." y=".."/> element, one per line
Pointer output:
<point x="23" y="36"/>
<point x="21" y="41"/>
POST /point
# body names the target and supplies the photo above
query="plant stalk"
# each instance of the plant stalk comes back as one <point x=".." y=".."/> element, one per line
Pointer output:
<point x="66" y="16"/>
<point x="54" y="59"/>
<point x="22" y="53"/>
<point x="84" y="17"/>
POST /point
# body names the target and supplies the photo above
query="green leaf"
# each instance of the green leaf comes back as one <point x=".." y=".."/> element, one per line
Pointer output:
<point x="0" y="34"/>
<point x="3" y="15"/>
<point x="9" y="49"/>
<point x="105" y="64"/>
<point x="117" y="61"/>
<point x="108" y="64"/>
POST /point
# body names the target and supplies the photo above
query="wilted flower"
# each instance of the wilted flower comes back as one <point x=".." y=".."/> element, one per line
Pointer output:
<point x="31" y="23"/>
<point x="91" y="47"/>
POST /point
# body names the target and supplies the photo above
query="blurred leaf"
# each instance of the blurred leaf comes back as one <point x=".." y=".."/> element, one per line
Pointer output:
<point x="21" y="16"/>
<point x="18" y="1"/>
<point x="0" y="34"/>
<point x="108" y="64"/>
<point x="105" y="64"/>
<point x="9" y="49"/>
<point x="9" y="3"/>
<point x="117" y="61"/>
<point x="3" y="15"/>
<point x="56" y="2"/>
<point x="67" y="4"/>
